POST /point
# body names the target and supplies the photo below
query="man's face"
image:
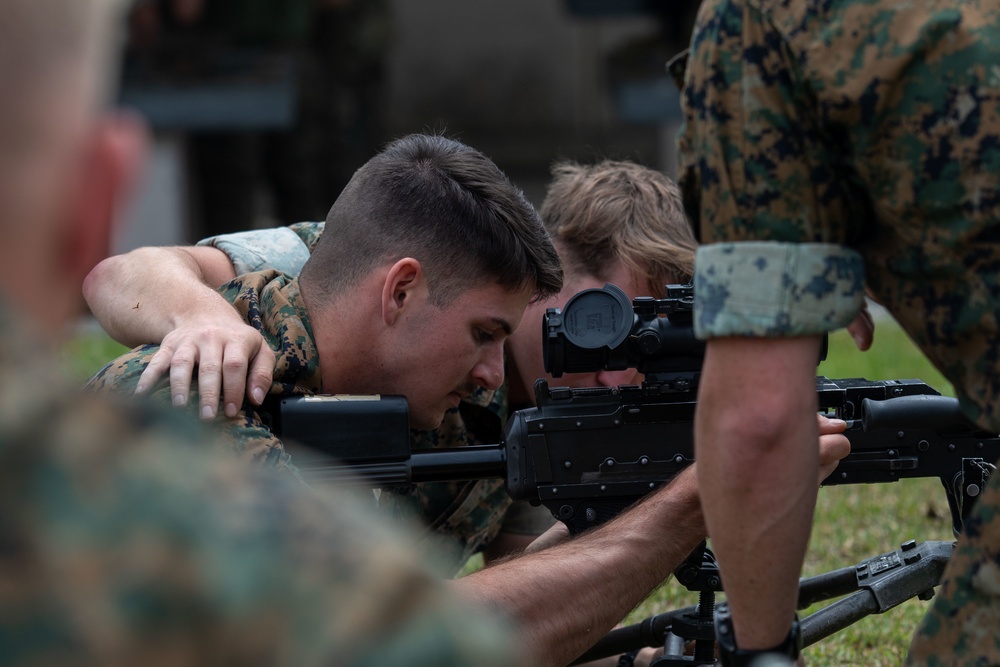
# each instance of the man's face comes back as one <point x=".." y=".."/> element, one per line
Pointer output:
<point x="440" y="355"/>
<point x="525" y="346"/>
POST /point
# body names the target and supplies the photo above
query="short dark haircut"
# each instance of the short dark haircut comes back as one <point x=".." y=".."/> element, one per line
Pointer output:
<point x="444" y="204"/>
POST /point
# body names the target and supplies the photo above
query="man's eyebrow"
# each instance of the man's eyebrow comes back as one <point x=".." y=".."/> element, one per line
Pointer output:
<point x="502" y="324"/>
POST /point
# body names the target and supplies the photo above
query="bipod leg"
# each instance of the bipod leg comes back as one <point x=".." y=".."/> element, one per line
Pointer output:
<point x="699" y="572"/>
<point x="875" y="585"/>
<point x="697" y="625"/>
<point x="653" y="631"/>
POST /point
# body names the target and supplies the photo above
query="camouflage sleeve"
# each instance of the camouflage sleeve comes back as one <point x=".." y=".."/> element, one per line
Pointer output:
<point x="775" y="289"/>
<point x="754" y="169"/>
<point x="121" y="375"/>
<point x="309" y="232"/>
<point x="280" y="248"/>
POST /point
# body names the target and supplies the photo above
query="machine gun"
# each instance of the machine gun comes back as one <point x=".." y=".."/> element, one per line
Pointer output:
<point x="587" y="454"/>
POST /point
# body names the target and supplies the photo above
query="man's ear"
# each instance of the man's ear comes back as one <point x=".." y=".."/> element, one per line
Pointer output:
<point x="402" y="282"/>
<point x="110" y="165"/>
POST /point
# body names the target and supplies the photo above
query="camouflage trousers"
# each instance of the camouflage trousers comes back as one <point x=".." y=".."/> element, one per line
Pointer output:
<point x="962" y="627"/>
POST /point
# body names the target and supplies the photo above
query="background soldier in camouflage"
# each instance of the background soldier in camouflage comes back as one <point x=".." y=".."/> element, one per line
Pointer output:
<point x="831" y="146"/>
<point x="125" y="540"/>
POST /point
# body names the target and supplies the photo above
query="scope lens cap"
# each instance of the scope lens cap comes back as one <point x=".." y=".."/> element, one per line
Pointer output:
<point x="598" y="317"/>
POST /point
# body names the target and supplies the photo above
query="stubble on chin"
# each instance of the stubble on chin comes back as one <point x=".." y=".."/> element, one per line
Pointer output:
<point x="427" y="422"/>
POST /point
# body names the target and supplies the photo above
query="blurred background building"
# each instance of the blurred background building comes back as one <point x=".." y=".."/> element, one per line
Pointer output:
<point x="262" y="109"/>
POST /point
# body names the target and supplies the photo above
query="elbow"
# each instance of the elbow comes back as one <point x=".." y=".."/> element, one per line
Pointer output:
<point x="765" y="429"/>
<point x="98" y="280"/>
<point x="765" y="425"/>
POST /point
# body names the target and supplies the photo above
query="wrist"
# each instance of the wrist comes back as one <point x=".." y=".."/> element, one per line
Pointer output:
<point x="730" y="655"/>
<point x="207" y="308"/>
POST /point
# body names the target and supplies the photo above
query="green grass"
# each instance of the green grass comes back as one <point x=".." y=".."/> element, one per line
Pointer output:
<point x="854" y="522"/>
<point x="88" y="351"/>
<point x="893" y="356"/>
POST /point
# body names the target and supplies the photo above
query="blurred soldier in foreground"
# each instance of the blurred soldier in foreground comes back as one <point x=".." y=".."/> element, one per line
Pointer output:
<point x="123" y="540"/>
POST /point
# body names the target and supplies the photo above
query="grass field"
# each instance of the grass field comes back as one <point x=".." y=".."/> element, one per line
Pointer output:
<point x="852" y="522"/>
<point x="88" y="351"/>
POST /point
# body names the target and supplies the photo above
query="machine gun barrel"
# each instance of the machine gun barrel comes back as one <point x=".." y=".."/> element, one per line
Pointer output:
<point x="432" y="465"/>
<point x="366" y="439"/>
<point x="472" y="462"/>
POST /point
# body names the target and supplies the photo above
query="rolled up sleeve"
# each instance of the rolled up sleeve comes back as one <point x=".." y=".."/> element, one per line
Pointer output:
<point x="771" y="288"/>
<point x="279" y="248"/>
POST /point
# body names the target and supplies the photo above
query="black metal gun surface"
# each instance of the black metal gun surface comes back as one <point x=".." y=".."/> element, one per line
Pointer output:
<point x="587" y="454"/>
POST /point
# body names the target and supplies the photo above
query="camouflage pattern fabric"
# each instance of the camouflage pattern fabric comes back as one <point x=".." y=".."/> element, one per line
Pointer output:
<point x="463" y="516"/>
<point x="284" y="249"/>
<point x="830" y="145"/>
<point x="128" y="540"/>
<point x="960" y="628"/>
<point x="853" y="132"/>
<point x="272" y="304"/>
<point x="309" y="233"/>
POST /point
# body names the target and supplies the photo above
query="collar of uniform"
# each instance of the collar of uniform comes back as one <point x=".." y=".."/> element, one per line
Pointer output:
<point x="272" y="303"/>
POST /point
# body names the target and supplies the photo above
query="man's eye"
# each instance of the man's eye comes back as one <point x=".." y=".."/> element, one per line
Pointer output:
<point x="485" y="336"/>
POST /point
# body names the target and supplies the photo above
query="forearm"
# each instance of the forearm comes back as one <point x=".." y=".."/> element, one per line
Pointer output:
<point x="753" y="452"/>
<point x="570" y="595"/>
<point x="143" y="295"/>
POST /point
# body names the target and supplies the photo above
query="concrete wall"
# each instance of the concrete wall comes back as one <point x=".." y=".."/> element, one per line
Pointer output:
<point x="525" y="81"/>
<point x="511" y="63"/>
<point x="525" y="78"/>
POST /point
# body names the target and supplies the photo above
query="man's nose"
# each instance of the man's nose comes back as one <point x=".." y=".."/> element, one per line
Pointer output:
<point x="489" y="371"/>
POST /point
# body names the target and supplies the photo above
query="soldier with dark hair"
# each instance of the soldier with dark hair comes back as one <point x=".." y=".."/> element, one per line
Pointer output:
<point x="612" y="221"/>
<point x="429" y="258"/>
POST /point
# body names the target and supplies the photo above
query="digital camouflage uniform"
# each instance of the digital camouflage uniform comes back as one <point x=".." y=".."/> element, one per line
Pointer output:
<point x="128" y="540"/>
<point x="272" y="303"/>
<point x="834" y="144"/>
<point x="464" y="516"/>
